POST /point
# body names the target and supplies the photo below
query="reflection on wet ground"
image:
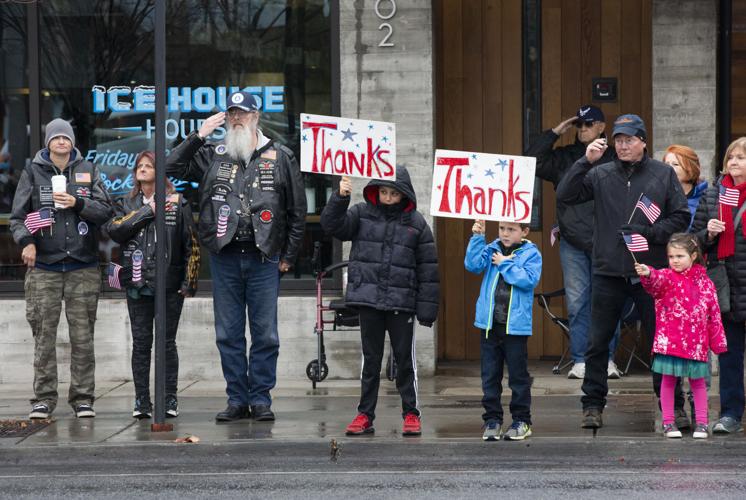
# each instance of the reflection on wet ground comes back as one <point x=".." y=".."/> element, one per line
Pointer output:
<point x="450" y="405"/>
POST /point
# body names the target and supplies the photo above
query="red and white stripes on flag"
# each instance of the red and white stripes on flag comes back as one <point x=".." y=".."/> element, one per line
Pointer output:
<point x="728" y="196"/>
<point x="636" y="242"/>
<point x="40" y="219"/>
<point x="113" y="273"/>
<point x="649" y="208"/>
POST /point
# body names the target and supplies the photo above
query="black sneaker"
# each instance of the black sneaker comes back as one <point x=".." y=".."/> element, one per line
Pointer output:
<point x="233" y="413"/>
<point x="39" y="411"/>
<point x="143" y="409"/>
<point x="84" y="410"/>
<point x="592" y="419"/>
<point x="262" y="413"/>
<point x="172" y="406"/>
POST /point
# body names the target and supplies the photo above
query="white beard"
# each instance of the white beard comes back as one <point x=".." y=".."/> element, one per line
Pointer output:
<point x="240" y="143"/>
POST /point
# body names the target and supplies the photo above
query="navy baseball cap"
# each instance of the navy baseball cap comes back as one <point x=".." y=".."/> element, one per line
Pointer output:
<point x="243" y="100"/>
<point x="630" y="125"/>
<point x="589" y="114"/>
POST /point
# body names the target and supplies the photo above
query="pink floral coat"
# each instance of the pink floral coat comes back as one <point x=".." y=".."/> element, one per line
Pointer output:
<point x="687" y="314"/>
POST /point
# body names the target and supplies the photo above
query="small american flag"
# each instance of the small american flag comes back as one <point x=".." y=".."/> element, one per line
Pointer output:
<point x="39" y="219"/>
<point x="649" y="208"/>
<point x="728" y="196"/>
<point x="553" y="234"/>
<point x="636" y="242"/>
<point x="113" y="273"/>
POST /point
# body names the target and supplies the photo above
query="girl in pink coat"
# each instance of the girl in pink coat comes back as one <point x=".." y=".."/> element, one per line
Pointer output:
<point x="687" y="325"/>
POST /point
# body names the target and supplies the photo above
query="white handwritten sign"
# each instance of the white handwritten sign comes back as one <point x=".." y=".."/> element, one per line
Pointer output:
<point x="345" y="146"/>
<point x="469" y="185"/>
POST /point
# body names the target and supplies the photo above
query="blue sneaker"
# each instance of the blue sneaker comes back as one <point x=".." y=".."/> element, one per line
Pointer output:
<point x="492" y="431"/>
<point x="518" y="431"/>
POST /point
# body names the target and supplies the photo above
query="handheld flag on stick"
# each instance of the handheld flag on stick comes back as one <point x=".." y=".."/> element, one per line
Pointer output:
<point x="635" y="243"/>
<point x="649" y="208"/>
<point x="40" y="219"/>
<point x="113" y="273"/>
<point x="728" y="196"/>
<point x="554" y="234"/>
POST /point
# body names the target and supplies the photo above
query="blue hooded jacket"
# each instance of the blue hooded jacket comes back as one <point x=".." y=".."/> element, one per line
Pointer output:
<point x="692" y="199"/>
<point x="522" y="272"/>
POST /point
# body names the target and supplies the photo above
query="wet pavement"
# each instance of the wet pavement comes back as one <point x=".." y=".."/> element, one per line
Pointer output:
<point x="115" y="456"/>
<point x="450" y="406"/>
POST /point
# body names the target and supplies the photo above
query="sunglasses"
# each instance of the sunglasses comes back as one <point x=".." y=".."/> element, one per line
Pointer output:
<point x="584" y="124"/>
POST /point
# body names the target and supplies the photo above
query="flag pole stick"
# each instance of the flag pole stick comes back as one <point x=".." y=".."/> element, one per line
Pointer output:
<point x="633" y="210"/>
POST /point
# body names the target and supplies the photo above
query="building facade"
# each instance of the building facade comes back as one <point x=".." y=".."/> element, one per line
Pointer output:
<point x="480" y="75"/>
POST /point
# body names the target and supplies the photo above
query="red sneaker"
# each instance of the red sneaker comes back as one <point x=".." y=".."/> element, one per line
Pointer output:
<point x="412" y="426"/>
<point x="360" y="425"/>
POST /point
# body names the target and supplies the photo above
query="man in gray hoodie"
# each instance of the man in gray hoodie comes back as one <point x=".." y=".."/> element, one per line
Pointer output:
<point x="59" y="204"/>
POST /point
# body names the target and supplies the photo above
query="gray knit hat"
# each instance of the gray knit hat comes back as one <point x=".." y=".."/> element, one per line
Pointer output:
<point x="58" y="127"/>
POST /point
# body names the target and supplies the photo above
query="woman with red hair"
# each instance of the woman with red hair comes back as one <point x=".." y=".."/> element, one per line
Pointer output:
<point x="685" y="162"/>
<point x="133" y="227"/>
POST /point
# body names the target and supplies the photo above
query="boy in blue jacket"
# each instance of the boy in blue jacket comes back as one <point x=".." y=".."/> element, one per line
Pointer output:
<point x="512" y="267"/>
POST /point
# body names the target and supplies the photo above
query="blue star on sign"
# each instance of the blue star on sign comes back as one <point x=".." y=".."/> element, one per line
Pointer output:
<point x="473" y="157"/>
<point x="385" y="139"/>
<point x="469" y="175"/>
<point x="502" y="164"/>
<point x="489" y="173"/>
<point x="370" y="126"/>
<point x="305" y="138"/>
<point x="348" y="134"/>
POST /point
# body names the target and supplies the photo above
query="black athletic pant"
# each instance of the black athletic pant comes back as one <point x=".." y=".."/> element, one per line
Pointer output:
<point x="142" y="315"/>
<point x="373" y="327"/>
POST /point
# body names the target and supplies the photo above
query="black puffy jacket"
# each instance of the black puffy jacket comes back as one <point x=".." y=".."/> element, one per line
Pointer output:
<point x="393" y="259"/>
<point x="270" y="188"/>
<point x="575" y="221"/>
<point x="74" y="233"/>
<point x="134" y="229"/>
<point x="736" y="264"/>
<point x="616" y="187"/>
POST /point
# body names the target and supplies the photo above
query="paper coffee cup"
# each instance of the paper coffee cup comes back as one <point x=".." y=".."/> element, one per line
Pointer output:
<point x="59" y="185"/>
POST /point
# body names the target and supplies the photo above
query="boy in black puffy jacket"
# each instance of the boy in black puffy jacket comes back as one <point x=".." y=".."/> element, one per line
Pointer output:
<point x="392" y="277"/>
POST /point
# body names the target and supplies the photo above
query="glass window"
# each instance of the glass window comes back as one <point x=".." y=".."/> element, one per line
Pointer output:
<point x="14" y="128"/>
<point x="97" y="72"/>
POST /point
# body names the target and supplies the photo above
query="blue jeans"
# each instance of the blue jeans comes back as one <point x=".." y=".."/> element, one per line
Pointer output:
<point x="731" y="371"/>
<point x="577" y="273"/>
<point x="242" y="282"/>
<point x="495" y="351"/>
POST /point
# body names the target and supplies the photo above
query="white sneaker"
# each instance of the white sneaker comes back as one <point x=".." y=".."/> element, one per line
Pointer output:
<point x="612" y="371"/>
<point x="577" y="371"/>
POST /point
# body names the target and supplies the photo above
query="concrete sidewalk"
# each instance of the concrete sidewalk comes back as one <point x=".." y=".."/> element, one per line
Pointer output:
<point x="450" y="404"/>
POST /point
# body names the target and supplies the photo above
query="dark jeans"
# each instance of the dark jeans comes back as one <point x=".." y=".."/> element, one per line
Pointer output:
<point x="496" y="350"/>
<point x="244" y="283"/>
<point x="142" y="314"/>
<point x="731" y="371"/>
<point x="609" y="295"/>
<point x="373" y="327"/>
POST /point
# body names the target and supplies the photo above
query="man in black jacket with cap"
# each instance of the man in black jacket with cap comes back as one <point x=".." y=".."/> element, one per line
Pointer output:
<point x="252" y="217"/>
<point x="575" y="226"/>
<point x="616" y="187"/>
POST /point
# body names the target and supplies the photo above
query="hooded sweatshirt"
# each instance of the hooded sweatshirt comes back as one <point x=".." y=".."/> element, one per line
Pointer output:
<point x="393" y="264"/>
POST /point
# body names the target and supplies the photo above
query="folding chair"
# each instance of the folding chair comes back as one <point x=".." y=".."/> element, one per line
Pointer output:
<point x="631" y="320"/>
<point x="544" y="300"/>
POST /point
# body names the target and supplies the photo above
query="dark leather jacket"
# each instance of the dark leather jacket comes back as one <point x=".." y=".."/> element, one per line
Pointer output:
<point x="134" y="229"/>
<point x="74" y="233"/>
<point x="270" y="188"/>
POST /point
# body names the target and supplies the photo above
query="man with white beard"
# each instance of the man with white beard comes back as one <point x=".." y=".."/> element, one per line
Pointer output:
<point x="252" y="217"/>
